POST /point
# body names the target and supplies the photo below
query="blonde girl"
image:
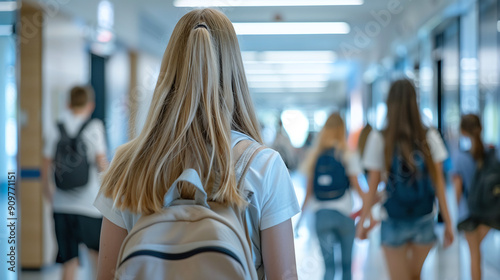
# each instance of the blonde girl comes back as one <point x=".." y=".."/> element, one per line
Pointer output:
<point x="333" y="221"/>
<point x="201" y="108"/>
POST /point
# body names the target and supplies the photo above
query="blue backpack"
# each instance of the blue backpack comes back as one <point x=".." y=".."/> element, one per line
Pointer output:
<point x="330" y="179"/>
<point x="409" y="194"/>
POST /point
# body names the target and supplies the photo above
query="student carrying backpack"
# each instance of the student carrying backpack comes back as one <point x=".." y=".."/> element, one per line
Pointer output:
<point x="74" y="154"/>
<point x="332" y="170"/>
<point x="201" y="108"/>
<point x="476" y="177"/>
<point x="409" y="157"/>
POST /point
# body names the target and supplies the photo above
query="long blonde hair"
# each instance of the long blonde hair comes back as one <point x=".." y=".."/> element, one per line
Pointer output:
<point x="201" y="94"/>
<point x="332" y="135"/>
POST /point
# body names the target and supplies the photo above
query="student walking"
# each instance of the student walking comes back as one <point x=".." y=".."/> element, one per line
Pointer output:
<point x="74" y="154"/>
<point x="332" y="170"/>
<point x="408" y="156"/>
<point x="465" y="166"/>
<point x="201" y="109"/>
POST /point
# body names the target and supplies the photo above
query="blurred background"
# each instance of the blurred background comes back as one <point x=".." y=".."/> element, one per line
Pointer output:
<point x="304" y="59"/>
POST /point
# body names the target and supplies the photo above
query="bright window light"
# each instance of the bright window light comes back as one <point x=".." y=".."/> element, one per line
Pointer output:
<point x="286" y="90"/>
<point x="287" y="78"/>
<point x="289" y="56"/>
<point x="5" y="30"/>
<point x="290" y="28"/>
<point x="287" y="69"/>
<point x="296" y="125"/>
<point x="264" y="3"/>
<point x="320" y="119"/>
<point x="8" y="6"/>
<point x="288" y="84"/>
<point x="381" y="113"/>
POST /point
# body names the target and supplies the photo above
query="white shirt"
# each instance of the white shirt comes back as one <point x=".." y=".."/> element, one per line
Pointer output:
<point x="344" y="204"/>
<point x="78" y="201"/>
<point x="374" y="158"/>
<point x="275" y="199"/>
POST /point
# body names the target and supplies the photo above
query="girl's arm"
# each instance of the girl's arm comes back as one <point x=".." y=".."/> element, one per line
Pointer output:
<point x="353" y="179"/>
<point x="443" y="206"/>
<point x="112" y="237"/>
<point x="374" y="178"/>
<point x="278" y="252"/>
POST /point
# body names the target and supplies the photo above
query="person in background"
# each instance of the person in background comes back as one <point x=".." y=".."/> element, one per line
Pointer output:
<point x="463" y="171"/>
<point x="363" y="136"/>
<point x="409" y="157"/>
<point x="284" y="147"/>
<point x="333" y="222"/>
<point x="201" y="109"/>
<point x="76" y="220"/>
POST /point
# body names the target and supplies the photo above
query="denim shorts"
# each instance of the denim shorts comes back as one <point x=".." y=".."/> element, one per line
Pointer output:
<point x="395" y="233"/>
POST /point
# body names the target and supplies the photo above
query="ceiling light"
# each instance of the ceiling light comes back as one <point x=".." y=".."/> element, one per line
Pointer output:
<point x="8" y="6"/>
<point x="290" y="28"/>
<point x="287" y="78"/>
<point x="295" y="84"/>
<point x="264" y="3"/>
<point x="265" y="91"/>
<point x="287" y="69"/>
<point x="5" y="30"/>
<point x="288" y="57"/>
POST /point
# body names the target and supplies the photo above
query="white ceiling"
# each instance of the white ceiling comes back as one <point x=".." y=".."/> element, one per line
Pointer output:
<point x="147" y="24"/>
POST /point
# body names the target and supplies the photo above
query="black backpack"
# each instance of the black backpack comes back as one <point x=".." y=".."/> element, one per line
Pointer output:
<point x="409" y="194"/>
<point x="484" y="196"/>
<point x="71" y="165"/>
<point x="330" y="179"/>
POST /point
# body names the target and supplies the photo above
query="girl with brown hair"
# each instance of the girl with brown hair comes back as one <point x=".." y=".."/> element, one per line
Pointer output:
<point x="409" y="157"/>
<point x="463" y="173"/>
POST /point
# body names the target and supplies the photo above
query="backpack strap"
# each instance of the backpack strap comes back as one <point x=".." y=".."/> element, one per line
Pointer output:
<point x="62" y="130"/>
<point x="250" y="150"/>
<point x="191" y="176"/>
<point x="84" y="125"/>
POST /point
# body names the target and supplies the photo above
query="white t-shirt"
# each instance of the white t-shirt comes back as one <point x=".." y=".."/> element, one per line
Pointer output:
<point x="344" y="204"/>
<point x="374" y="159"/>
<point x="274" y="198"/>
<point x="78" y="201"/>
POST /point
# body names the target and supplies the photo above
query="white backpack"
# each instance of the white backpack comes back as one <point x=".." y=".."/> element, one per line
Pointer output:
<point x="191" y="239"/>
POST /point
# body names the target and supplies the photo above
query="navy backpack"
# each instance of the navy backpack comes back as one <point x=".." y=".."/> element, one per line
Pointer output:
<point x="410" y="194"/>
<point x="330" y="179"/>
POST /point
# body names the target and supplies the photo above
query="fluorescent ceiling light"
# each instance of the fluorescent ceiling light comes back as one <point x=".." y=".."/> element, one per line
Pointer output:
<point x="290" y="28"/>
<point x="285" y="90"/>
<point x="5" y="30"/>
<point x="294" y="84"/>
<point x="8" y="6"/>
<point x="288" y="57"/>
<point x="287" y="78"/>
<point x="264" y="3"/>
<point x="283" y="69"/>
